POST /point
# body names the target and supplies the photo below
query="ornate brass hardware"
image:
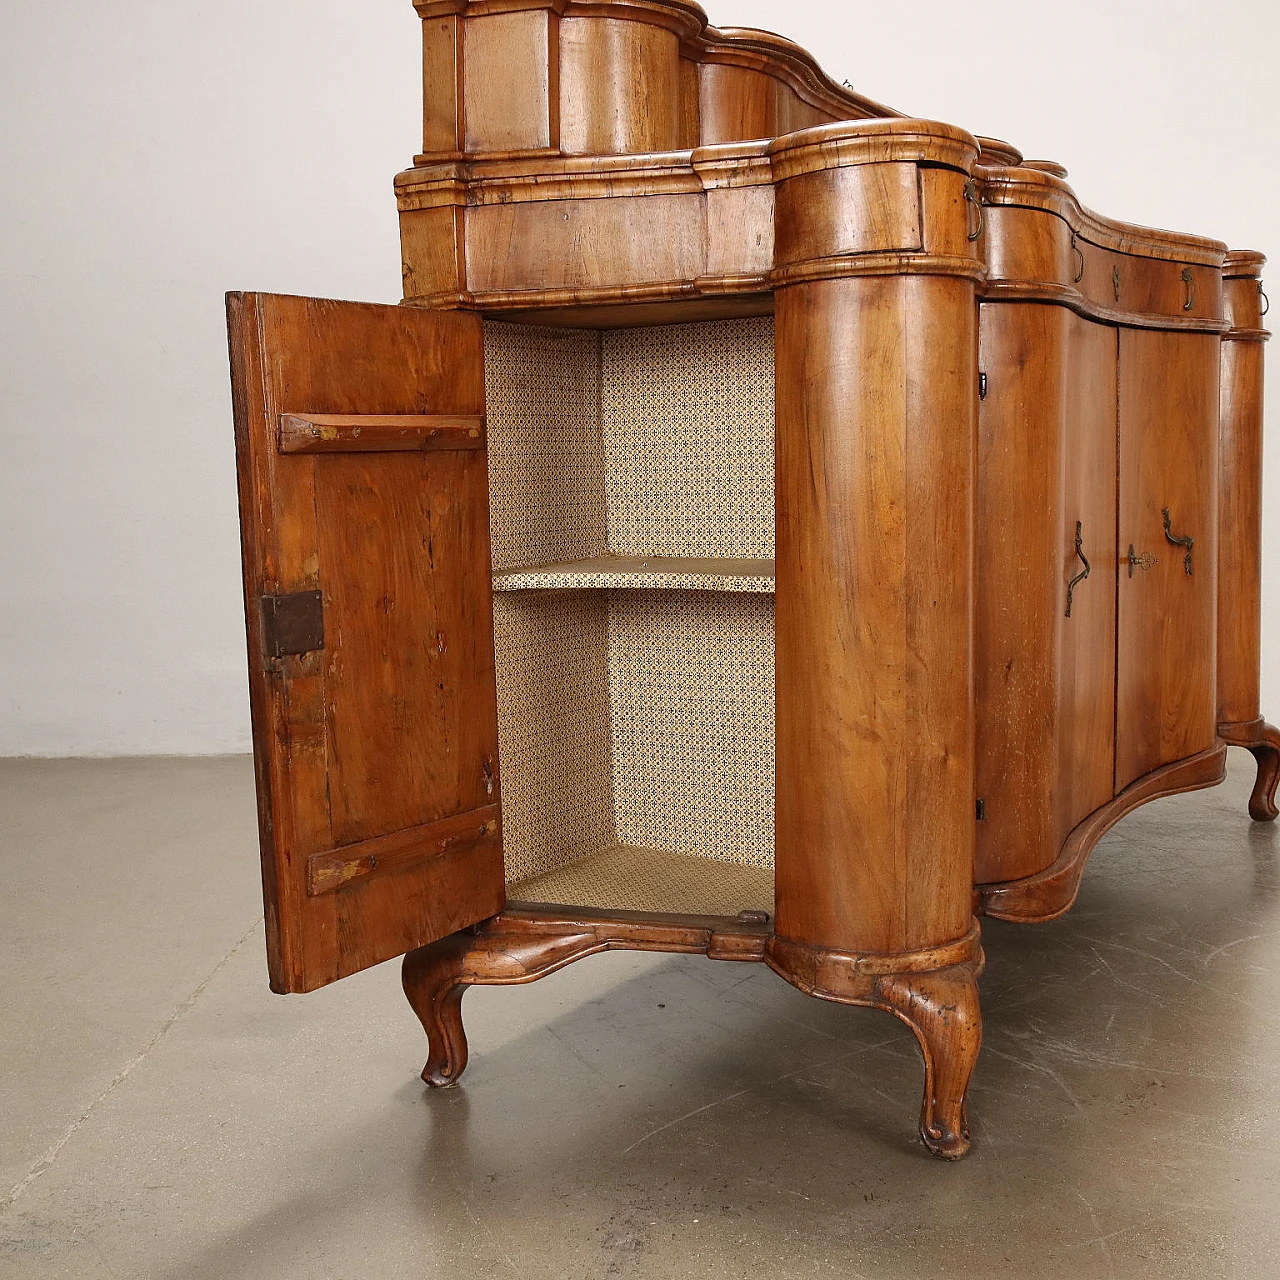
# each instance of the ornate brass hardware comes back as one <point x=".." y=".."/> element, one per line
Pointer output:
<point x="1115" y="282"/>
<point x="1189" y="280"/>
<point x="1144" y="561"/>
<point x="1189" y="543"/>
<point x="971" y="195"/>
<point x="1079" y="252"/>
<point x="1084" y="573"/>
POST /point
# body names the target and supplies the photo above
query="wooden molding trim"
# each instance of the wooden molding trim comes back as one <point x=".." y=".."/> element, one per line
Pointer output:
<point x="1051" y="892"/>
<point x="834" y="974"/>
<point x="1064" y="295"/>
<point x="784" y="60"/>
<point x="1243" y="264"/>
<point x="834" y="146"/>
<point x="876" y="264"/>
<point x="1038" y="189"/>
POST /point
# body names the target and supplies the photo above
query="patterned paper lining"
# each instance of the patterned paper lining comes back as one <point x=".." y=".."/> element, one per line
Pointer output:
<point x="636" y="716"/>
<point x="687" y="417"/>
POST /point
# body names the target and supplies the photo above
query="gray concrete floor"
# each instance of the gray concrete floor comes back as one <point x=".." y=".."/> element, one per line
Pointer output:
<point x="163" y="1115"/>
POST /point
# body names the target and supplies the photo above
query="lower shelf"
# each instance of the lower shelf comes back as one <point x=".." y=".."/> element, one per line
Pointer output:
<point x="624" y="878"/>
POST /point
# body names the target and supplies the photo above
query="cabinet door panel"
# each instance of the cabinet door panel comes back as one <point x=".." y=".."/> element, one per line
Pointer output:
<point x="367" y="591"/>
<point x="1019" y="585"/>
<point x="1086" y="659"/>
<point x="1166" y="663"/>
<point x="1045" y="681"/>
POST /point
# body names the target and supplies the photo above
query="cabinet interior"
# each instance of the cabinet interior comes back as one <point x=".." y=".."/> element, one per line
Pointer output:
<point x="631" y="499"/>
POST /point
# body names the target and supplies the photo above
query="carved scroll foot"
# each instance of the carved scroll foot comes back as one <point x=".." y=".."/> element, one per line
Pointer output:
<point x="942" y="1009"/>
<point x="432" y="983"/>
<point x="934" y="991"/>
<point x="1263" y="740"/>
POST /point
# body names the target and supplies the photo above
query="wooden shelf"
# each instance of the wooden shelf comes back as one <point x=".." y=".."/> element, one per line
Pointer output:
<point x="667" y="573"/>
<point x="624" y="878"/>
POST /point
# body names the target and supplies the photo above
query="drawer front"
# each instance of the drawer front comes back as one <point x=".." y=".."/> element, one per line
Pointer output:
<point x="1034" y="253"/>
<point x="1147" y="286"/>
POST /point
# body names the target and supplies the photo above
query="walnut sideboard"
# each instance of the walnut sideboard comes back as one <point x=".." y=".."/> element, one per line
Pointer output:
<point x="772" y="527"/>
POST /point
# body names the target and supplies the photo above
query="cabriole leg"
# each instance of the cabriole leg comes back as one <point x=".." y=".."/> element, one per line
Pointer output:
<point x="433" y="984"/>
<point x="942" y="1009"/>
<point x="934" y="991"/>
<point x="1266" y="751"/>
<point x="1263" y="740"/>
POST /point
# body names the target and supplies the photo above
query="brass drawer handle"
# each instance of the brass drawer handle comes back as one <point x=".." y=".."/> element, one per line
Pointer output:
<point x="1145" y="561"/>
<point x="971" y="195"/>
<point x="1189" y="543"/>
<point x="1084" y="573"/>
<point x="1262" y="295"/>
<point x="1079" y="252"/>
<point x="1189" y="280"/>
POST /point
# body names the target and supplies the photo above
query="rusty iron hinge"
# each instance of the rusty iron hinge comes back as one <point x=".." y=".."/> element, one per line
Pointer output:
<point x="292" y="624"/>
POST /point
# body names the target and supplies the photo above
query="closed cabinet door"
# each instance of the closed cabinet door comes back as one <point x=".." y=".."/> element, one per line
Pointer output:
<point x="1046" y="584"/>
<point x="1168" y="443"/>
<point x="360" y="446"/>
<point x="1085" y="765"/>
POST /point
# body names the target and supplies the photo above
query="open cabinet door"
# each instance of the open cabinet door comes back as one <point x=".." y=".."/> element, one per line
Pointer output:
<point x="364" y="516"/>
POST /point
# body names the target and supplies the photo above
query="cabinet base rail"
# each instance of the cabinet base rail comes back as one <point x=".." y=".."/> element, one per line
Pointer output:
<point x="934" y="990"/>
<point x="1052" y="892"/>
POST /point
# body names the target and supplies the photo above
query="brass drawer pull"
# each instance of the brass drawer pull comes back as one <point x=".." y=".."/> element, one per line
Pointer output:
<point x="1189" y="280"/>
<point x="971" y="195"/>
<point x="1189" y="543"/>
<point x="1262" y="295"/>
<point x="1079" y="252"/>
<point x="1145" y="561"/>
<point x="1084" y="573"/>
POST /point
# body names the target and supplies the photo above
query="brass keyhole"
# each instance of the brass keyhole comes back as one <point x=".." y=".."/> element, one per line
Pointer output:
<point x="1144" y="561"/>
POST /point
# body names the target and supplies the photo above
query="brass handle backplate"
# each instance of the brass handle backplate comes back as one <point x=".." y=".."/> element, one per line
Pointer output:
<point x="1189" y="543"/>
<point x="1084" y="573"/>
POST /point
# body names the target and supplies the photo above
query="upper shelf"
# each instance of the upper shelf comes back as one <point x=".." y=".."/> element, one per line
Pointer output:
<point x="668" y="573"/>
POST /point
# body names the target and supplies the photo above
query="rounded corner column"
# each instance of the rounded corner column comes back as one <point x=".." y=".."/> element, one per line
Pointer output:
<point x="876" y="367"/>
<point x="1240" y="719"/>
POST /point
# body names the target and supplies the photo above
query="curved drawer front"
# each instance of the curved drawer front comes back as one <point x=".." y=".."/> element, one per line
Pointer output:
<point x="1037" y="253"/>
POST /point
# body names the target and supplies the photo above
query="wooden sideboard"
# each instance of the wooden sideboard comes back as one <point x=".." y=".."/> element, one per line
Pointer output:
<point x="772" y="528"/>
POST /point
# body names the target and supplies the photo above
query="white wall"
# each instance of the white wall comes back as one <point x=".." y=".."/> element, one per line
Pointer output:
<point x="156" y="154"/>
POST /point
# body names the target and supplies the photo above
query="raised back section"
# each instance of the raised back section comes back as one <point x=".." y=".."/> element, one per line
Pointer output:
<point x="573" y="77"/>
